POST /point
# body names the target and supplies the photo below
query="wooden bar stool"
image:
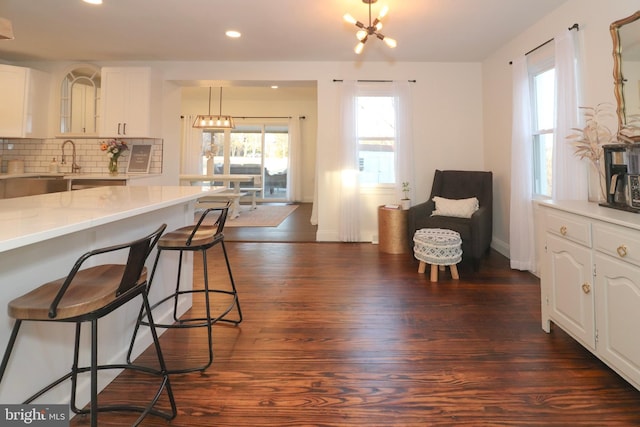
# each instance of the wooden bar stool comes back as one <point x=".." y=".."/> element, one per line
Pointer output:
<point x="86" y="296"/>
<point x="200" y="238"/>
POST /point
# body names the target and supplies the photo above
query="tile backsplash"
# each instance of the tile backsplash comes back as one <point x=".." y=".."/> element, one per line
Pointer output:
<point x="38" y="154"/>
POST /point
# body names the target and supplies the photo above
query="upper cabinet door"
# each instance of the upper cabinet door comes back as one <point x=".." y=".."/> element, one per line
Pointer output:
<point x="126" y="102"/>
<point x="23" y="103"/>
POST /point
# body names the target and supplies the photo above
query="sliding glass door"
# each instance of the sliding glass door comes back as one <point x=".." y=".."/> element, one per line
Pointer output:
<point x="261" y="150"/>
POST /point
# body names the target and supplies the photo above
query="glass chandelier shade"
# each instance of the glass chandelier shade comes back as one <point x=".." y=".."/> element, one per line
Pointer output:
<point x="213" y="121"/>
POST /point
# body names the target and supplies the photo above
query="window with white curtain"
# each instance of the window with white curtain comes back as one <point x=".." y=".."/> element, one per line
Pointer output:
<point x="376" y="134"/>
<point x="542" y="80"/>
<point x="543" y="110"/>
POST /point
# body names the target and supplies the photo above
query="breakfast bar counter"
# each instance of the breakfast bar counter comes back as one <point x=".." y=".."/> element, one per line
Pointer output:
<point x="40" y="239"/>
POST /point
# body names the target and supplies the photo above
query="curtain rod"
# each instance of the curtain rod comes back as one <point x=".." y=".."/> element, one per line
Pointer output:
<point x="263" y="117"/>
<point x="373" y="81"/>
<point x="573" y="27"/>
<point x="267" y="117"/>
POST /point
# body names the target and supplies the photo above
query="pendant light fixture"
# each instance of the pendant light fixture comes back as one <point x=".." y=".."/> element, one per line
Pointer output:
<point x="373" y="29"/>
<point x="212" y="121"/>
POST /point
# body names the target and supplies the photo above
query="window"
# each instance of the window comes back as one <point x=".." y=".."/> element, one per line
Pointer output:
<point x="261" y="150"/>
<point x="543" y="109"/>
<point x="376" y="130"/>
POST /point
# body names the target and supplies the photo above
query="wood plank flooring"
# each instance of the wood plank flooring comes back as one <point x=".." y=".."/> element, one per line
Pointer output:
<point x="339" y="334"/>
<point x="295" y="228"/>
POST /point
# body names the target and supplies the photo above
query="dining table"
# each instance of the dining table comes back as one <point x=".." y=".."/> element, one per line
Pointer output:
<point x="231" y="181"/>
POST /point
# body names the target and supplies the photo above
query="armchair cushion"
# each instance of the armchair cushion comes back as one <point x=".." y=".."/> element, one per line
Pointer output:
<point x="462" y="208"/>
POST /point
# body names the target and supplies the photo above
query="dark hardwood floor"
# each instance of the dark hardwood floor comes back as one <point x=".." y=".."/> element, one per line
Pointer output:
<point x="295" y="228"/>
<point x="339" y="334"/>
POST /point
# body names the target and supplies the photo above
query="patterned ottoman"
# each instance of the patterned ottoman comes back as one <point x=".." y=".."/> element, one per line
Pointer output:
<point x="437" y="247"/>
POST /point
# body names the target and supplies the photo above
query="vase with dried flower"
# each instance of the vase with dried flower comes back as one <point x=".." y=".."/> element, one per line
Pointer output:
<point x="588" y="143"/>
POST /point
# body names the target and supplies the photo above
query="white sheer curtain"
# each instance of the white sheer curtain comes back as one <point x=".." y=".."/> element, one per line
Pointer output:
<point x="569" y="172"/>
<point x="349" y="229"/>
<point x="294" y="177"/>
<point x="521" y="231"/>
<point x="404" y="139"/>
<point x="191" y="153"/>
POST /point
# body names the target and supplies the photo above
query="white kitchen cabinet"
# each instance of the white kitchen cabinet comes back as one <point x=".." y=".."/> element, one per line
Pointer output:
<point x="129" y="106"/>
<point x="570" y="299"/>
<point x="23" y="103"/>
<point x="590" y="281"/>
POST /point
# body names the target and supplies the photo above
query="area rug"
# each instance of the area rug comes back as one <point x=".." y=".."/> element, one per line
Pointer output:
<point x="262" y="216"/>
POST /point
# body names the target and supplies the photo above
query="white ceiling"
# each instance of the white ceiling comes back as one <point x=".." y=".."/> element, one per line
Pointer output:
<point x="272" y="30"/>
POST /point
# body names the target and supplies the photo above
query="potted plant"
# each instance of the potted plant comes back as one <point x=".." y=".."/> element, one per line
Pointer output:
<point x="405" y="201"/>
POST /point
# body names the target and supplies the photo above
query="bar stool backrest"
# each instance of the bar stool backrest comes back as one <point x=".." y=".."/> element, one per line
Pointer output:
<point x="139" y="250"/>
<point x="222" y="219"/>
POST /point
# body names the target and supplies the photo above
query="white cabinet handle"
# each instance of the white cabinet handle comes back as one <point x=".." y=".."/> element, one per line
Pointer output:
<point x="622" y="251"/>
<point x="563" y="230"/>
<point x="586" y="288"/>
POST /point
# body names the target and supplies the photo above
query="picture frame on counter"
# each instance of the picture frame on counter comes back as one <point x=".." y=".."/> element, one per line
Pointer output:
<point x="139" y="158"/>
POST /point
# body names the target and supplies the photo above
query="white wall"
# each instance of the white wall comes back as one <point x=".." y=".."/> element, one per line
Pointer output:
<point x="594" y="18"/>
<point x="266" y="102"/>
<point x="447" y="120"/>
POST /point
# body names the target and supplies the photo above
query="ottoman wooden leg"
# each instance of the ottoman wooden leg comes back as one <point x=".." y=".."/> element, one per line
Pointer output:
<point x="422" y="267"/>
<point x="434" y="273"/>
<point x="454" y="271"/>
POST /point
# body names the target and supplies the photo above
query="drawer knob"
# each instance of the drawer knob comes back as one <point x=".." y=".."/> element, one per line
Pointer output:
<point x="586" y="288"/>
<point x="563" y="230"/>
<point x="622" y="251"/>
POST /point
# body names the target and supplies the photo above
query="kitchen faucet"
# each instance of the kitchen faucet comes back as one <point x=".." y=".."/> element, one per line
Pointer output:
<point x="75" y="168"/>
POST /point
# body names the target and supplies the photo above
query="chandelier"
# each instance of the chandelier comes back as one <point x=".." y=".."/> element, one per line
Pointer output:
<point x="373" y="29"/>
<point x="210" y="121"/>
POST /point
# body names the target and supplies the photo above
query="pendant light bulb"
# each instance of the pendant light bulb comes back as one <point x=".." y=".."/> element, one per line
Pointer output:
<point x="350" y="19"/>
<point x="373" y="29"/>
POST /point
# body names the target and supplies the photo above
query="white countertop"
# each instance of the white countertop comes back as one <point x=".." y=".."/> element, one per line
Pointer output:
<point x="100" y="176"/>
<point x="27" y="220"/>
<point x="595" y="211"/>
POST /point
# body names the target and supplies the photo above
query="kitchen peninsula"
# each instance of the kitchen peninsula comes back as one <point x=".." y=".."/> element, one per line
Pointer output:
<point x="40" y="239"/>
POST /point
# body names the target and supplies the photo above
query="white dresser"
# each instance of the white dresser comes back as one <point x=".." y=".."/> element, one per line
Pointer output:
<point x="590" y="279"/>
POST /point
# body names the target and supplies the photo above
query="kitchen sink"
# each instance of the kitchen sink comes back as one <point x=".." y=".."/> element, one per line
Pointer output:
<point x="32" y="186"/>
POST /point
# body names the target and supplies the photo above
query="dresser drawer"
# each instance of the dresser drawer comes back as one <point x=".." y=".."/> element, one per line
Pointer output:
<point x="619" y="242"/>
<point x="571" y="227"/>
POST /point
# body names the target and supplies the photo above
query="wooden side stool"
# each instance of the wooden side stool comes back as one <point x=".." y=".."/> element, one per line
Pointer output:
<point x="437" y="247"/>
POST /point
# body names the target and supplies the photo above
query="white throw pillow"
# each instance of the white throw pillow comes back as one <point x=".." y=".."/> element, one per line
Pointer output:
<point x="462" y="208"/>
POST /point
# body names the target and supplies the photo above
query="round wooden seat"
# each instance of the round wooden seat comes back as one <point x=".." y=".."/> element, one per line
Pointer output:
<point x="91" y="290"/>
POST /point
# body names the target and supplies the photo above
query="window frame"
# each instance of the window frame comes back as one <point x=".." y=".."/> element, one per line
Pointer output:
<point x="382" y="91"/>
<point x="539" y="63"/>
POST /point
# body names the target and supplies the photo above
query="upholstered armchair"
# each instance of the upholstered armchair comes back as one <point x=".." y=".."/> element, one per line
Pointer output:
<point x="453" y="186"/>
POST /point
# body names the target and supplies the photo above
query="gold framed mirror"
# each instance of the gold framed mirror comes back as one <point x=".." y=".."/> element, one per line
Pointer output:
<point x="79" y="98"/>
<point x="626" y="74"/>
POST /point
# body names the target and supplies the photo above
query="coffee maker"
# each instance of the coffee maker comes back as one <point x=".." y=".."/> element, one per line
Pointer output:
<point x="622" y="173"/>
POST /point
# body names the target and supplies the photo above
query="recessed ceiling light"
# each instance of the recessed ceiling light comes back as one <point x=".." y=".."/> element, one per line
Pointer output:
<point x="274" y="87"/>
<point x="233" y="34"/>
<point x="93" y="1"/>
